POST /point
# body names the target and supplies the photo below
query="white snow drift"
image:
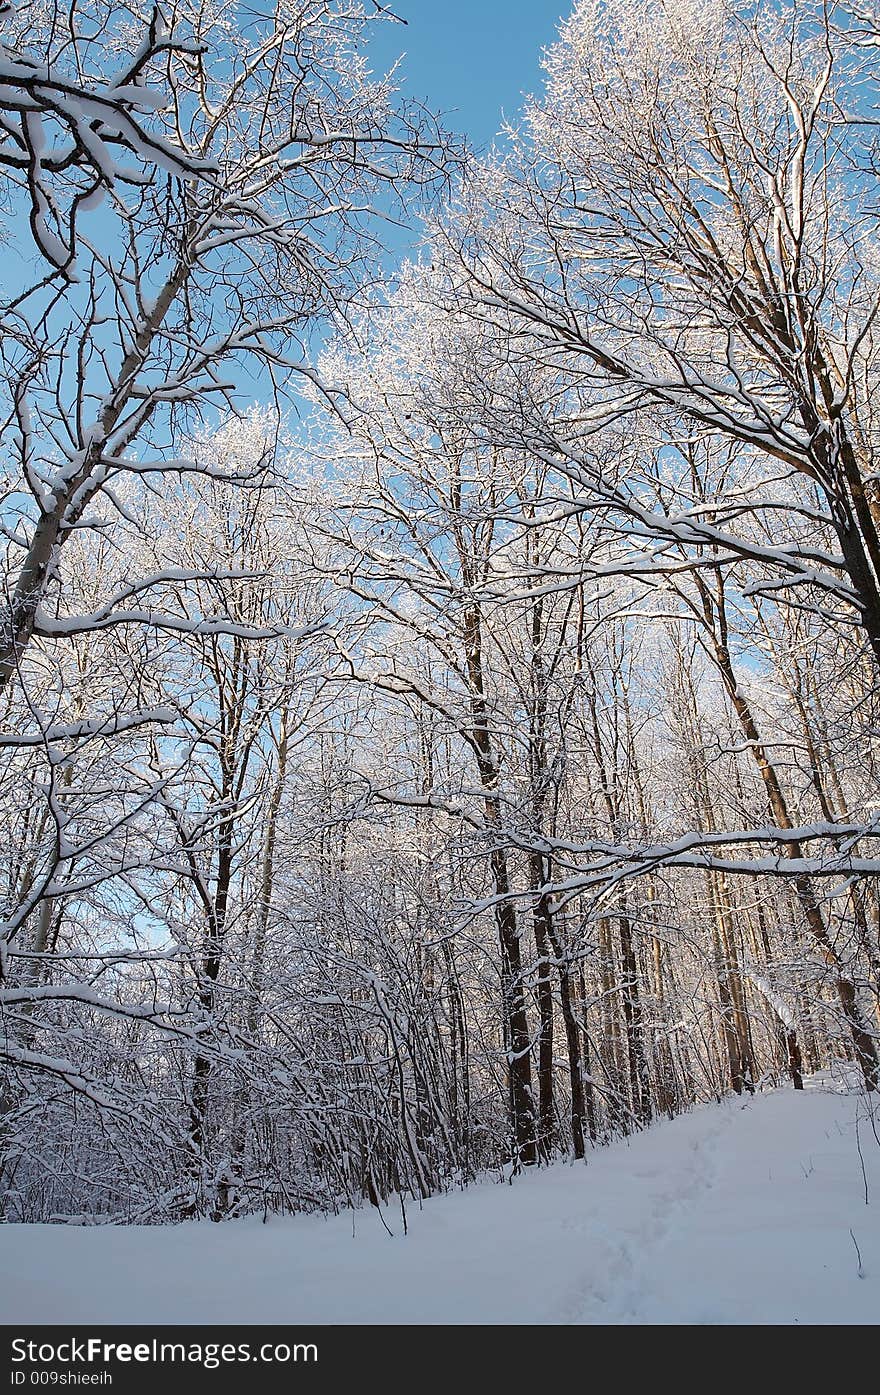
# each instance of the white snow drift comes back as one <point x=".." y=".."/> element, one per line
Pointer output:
<point x="753" y="1211"/>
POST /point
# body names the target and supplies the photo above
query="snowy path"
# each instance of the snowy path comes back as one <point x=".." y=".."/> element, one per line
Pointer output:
<point x="734" y="1213"/>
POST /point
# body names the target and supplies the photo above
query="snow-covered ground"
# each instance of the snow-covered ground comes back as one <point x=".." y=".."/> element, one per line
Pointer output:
<point x="745" y="1212"/>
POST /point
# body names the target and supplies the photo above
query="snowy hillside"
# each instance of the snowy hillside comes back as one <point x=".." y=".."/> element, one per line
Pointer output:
<point x="753" y="1211"/>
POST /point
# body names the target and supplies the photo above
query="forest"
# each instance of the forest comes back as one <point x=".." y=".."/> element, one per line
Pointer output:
<point x="440" y="687"/>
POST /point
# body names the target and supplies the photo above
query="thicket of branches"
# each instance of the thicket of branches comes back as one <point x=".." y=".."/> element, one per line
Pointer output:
<point x="483" y="762"/>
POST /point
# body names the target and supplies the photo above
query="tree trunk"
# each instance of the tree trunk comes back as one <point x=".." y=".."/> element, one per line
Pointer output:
<point x="863" y="1043"/>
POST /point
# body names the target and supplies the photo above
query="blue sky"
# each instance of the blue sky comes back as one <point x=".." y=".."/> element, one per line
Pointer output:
<point x="471" y="59"/>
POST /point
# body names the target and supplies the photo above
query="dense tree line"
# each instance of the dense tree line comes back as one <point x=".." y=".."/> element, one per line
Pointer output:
<point x="478" y="761"/>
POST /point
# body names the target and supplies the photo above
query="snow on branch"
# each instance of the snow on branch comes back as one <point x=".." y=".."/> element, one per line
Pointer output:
<point x="61" y="132"/>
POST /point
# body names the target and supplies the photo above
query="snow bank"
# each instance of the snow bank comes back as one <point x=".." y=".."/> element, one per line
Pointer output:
<point x="747" y="1212"/>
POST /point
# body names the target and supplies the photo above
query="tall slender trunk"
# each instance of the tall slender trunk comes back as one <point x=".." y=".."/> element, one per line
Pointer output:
<point x="665" y="1065"/>
<point x="612" y="1047"/>
<point x="729" y="1032"/>
<point x="542" y="923"/>
<point x="513" y="1000"/>
<point x="568" y="1003"/>
<point x="640" y="1083"/>
<point x="586" y="1058"/>
<point x="208" y="975"/>
<point x="267" y="877"/>
<point x="786" y="1030"/>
